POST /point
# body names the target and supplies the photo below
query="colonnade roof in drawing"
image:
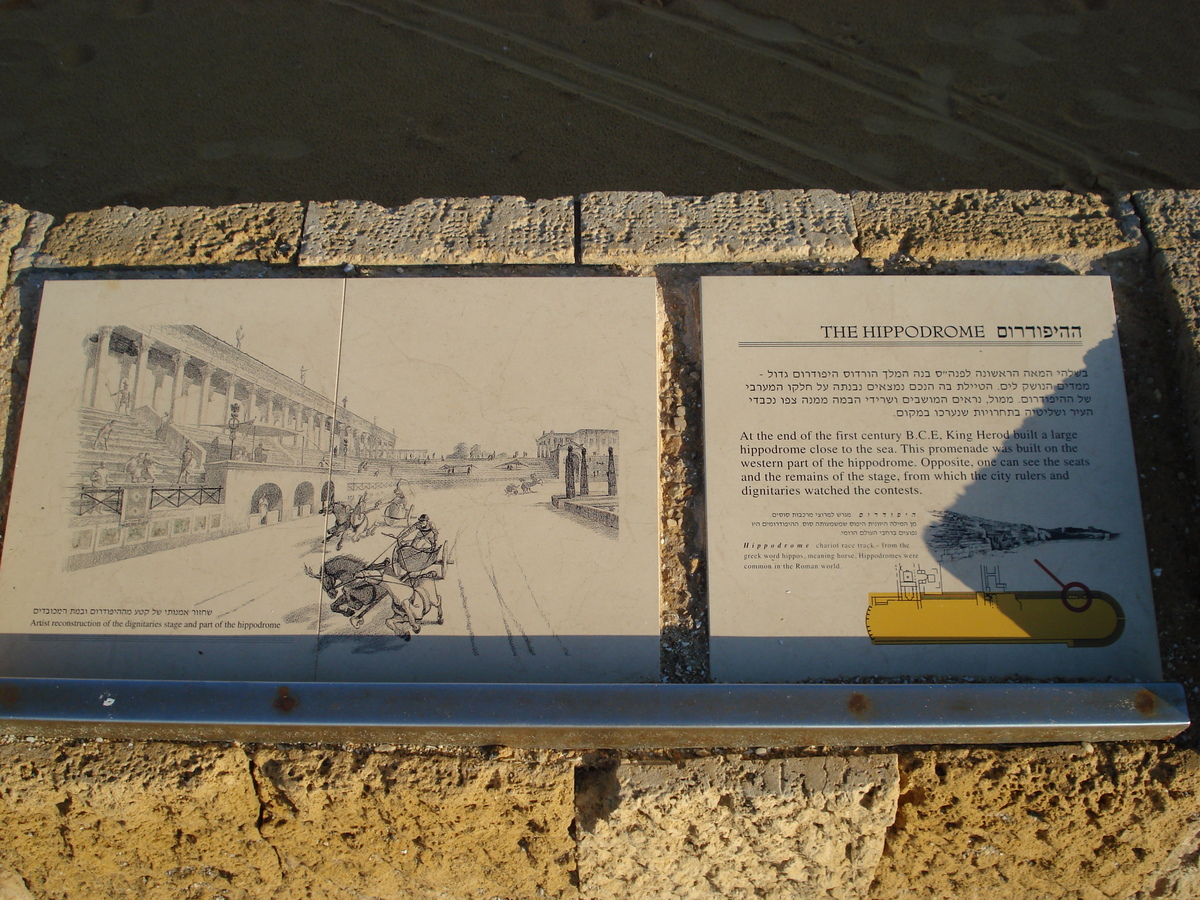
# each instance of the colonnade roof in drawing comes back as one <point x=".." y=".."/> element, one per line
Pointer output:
<point x="194" y="378"/>
<point x="595" y="439"/>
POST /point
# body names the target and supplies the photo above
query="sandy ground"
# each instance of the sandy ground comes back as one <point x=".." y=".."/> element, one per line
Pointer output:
<point x="151" y="103"/>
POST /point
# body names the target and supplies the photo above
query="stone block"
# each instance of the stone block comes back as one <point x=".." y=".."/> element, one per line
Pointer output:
<point x="175" y="236"/>
<point x="27" y="249"/>
<point x="632" y="228"/>
<point x="452" y="231"/>
<point x="731" y="828"/>
<point x="1179" y="874"/>
<point x="1077" y="821"/>
<point x="1074" y="229"/>
<point x="387" y="825"/>
<point x="1171" y="219"/>
<point x="12" y="228"/>
<point x="100" y="819"/>
<point x="13" y="887"/>
<point x="167" y="820"/>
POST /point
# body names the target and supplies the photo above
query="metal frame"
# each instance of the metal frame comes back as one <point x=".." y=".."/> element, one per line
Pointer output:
<point x="577" y="715"/>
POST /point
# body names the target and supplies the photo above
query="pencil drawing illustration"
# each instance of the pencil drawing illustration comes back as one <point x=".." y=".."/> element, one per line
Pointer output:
<point x="381" y="480"/>
<point x="202" y="441"/>
<point x="378" y="480"/>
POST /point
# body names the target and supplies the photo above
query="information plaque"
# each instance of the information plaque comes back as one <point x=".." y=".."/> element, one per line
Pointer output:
<point x="921" y="476"/>
<point x="384" y="480"/>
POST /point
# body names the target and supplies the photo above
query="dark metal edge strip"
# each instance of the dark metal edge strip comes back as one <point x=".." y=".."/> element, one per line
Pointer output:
<point x="617" y="716"/>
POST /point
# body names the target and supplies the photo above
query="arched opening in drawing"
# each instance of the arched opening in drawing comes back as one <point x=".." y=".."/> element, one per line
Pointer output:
<point x="266" y="502"/>
<point x="303" y="497"/>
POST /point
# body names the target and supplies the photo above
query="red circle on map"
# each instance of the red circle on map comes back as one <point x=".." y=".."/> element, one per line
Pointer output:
<point x="1087" y="603"/>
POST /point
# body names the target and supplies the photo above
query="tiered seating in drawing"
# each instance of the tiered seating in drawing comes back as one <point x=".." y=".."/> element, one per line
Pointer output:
<point x="216" y="446"/>
<point x="110" y="457"/>
<point x="126" y="439"/>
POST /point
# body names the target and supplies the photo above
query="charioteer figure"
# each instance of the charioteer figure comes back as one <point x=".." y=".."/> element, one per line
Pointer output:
<point x="415" y="550"/>
<point x="405" y="572"/>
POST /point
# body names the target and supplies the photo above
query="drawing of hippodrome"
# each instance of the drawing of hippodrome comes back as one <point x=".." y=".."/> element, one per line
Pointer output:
<point x="183" y="437"/>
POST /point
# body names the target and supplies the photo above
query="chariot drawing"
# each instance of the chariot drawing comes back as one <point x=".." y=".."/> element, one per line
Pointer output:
<point x="406" y="575"/>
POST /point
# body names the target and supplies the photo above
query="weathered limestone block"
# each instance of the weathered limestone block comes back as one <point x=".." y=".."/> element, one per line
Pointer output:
<point x="808" y="827"/>
<point x="453" y="231"/>
<point x="1171" y="220"/>
<point x="1074" y="229"/>
<point x="176" y="236"/>
<point x="25" y="251"/>
<point x="632" y="228"/>
<point x="1172" y="223"/>
<point x="1179" y="874"/>
<point x="12" y="227"/>
<point x="19" y="246"/>
<point x="1070" y="821"/>
<point x="683" y="606"/>
<point x="13" y="887"/>
<point x="150" y="820"/>
<point x="348" y="824"/>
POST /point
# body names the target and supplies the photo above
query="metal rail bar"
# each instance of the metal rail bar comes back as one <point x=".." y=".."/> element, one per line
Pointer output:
<point x="578" y="715"/>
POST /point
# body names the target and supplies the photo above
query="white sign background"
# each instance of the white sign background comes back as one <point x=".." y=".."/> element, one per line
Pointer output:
<point x="935" y="362"/>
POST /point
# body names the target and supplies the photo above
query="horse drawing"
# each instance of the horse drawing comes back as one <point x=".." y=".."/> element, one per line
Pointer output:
<point x="356" y="587"/>
<point x="351" y="520"/>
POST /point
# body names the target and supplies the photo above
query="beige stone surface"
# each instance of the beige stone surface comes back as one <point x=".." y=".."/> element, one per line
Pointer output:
<point x="175" y="236"/>
<point x="12" y="227"/>
<point x="635" y="229"/>
<point x="365" y="824"/>
<point x="1076" y="230"/>
<point x="145" y="820"/>
<point x="459" y="231"/>
<point x="683" y="610"/>
<point x="18" y="304"/>
<point x="25" y="252"/>
<point x="13" y="887"/>
<point x="1077" y="821"/>
<point x="1179" y="874"/>
<point x="1171" y="219"/>
<point x="102" y="819"/>
<point x="730" y="828"/>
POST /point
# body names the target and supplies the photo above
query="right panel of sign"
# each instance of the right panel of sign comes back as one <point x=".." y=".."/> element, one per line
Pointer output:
<point x="921" y="476"/>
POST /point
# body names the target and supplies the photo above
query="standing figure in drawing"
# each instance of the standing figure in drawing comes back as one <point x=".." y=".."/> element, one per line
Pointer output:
<point x="186" y="459"/>
<point x="102" y="436"/>
<point x="123" y="398"/>
<point x="146" y="469"/>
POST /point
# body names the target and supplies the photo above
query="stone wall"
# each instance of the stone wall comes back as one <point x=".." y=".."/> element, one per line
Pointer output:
<point x="91" y="818"/>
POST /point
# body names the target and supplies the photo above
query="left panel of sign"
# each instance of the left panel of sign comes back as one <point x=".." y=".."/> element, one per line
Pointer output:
<point x="171" y="477"/>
